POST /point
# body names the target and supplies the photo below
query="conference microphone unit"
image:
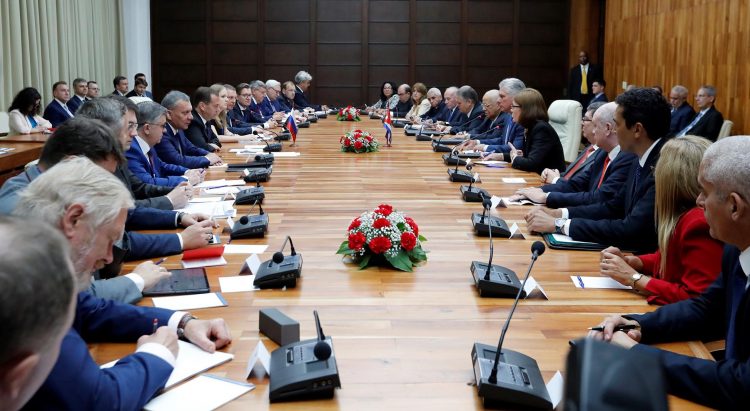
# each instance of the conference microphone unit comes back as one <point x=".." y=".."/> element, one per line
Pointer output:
<point x="311" y="117"/>
<point x="472" y="194"/>
<point x="250" y="226"/>
<point x="272" y="148"/>
<point x="506" y="377"/>
<point x="451" y="160"/>
<point x="261" y="161"/>
<point x="605" y="377"/>
<point x="280" y="271"/>
<point x="250" y="195"/>
<point x="255" y="175"/>
<point x="495" y="280"/>
<point x="283" y="136"/>
<point x="305" y="369"/>
<point x="482" y="222"/>
<point x="442" y="144"/>
<point x="305" y="124"/>
<point x="460" y="176"/>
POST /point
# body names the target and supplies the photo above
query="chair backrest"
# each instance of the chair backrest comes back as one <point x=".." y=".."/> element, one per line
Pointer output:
<point x="726" y="129"/>
<point x="565" y="117"/>
<point x="4" y="126"/>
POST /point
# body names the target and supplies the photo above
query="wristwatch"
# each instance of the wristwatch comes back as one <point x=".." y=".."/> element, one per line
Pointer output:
<point x="634" y="279"/>
<point x="559" y="224"/>
<point x="181" y="325"/>
<point x="179" y="218"/>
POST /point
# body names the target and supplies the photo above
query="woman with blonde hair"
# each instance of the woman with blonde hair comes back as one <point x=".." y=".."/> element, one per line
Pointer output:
<point x="420" y="104"/>
<point x="688" y="259"/>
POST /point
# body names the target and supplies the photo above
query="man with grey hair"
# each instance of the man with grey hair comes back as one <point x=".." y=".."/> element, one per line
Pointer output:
<point x="89" y="206"/>
<point x="273" y="91"/>
<point x="174" y="147"/>
<point x="261" y="107"/>
<point x="36" y="306"/>
<point x="467" y="100"/>
<point x="80" y="89"/>
<point x="682" y="111"/>
<point x="508" y="132"/>
<point x="437" y="105"/>
<point x="722" y="310"/>
<point x="452" y="115"/>
<point x="142" y="158"/>
<point x="302" y="82"/>
<point x="708" y="121"/>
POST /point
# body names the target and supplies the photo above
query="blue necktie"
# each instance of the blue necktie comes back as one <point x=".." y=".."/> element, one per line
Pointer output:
<point x="691" y="125"/>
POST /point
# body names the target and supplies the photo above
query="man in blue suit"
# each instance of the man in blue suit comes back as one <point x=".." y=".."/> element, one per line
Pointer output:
<point x="682" y="111"/>
<point x="174" y="147"/>
<point x="708" y="121"/>
<point x="57" y="111"/>
<point x="142" y="158"/>
<point x="468" y="103"/>
<point x="721" y="312"/>
<point x="505" y="131"/>
<point x="258" y="103"/>
<point x="90" y="210"/>
<point x="627" y="219"/>
<point x="143" y="77"/>
<point x="598" y="183"/>
<point x="302" y="82"/>
<point x="241" y="115"/>
<point x="34" y="322"/>
<point x="80" y="89"/>
<point x="273" y="94"/>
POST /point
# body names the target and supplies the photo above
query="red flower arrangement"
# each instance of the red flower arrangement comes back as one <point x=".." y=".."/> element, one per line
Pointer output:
<point x="358" y="141"/>
<point x="348" y="113"/>
<point x="384" y="233"/>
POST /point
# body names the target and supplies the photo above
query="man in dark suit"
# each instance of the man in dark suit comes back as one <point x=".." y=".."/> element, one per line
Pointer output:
<point x="437" y="105"/>
<point x="597" y="89"/>
<point x="404" y="101"/>
<point x="467" y="100"/>
<point x="627" y="219"/>
<point x="91" y="226"/>
<point x="80" y="89"/>
<point x="241" y="115"/>
<point x="143" y="76"/>
<point x="581" y="79"/>
<point x="57" y="111"/>
<point x="708" y="121"/>
<point x="139" y="88"/>
<point x="302" y="82"/>
<point x="498" y="139"/>
<point x="93" y="90"/>
<point x="205" y="108"/>
<point x="721" y="312"/>
<point x="597" y="183"/>
<point x="121" y="86"/>
<point x="451" y="114"/>
<point x="174" y="147"/>
<point x="35" y="322"/>
<point x="682" y="111"/>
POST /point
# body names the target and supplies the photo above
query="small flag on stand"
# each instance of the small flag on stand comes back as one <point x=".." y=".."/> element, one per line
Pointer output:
<point x="291" y="126"/>
<point x="388" y="125"/>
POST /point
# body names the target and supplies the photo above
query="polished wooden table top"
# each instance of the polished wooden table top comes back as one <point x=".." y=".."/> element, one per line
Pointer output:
<point x="402" y="340"/>
<point x="13" y="161"/>
<point x="26" y="138"/>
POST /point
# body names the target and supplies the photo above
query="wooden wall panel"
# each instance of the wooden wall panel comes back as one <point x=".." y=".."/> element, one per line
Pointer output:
<point x="351" y="46"/>
<point x="668" y="42"/>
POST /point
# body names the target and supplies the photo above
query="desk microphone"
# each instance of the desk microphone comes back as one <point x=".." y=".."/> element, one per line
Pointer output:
<point x="281" y="271"/>
<point x="472" y="194"/>
<point x="250" y="195"/>
<point x="482" y="227"/>
<point x="270" y="148"/>
<point x="461" y="176"/>
<point x="519" y="381"/>
<point x="251" y="226"/>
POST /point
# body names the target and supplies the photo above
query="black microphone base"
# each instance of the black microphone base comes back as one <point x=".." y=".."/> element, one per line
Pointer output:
<point x="519" y="380"/>
<point x="240" y="167"/>
<point x="399" y="123"/>
<point x="255" y="175"/>
<point x="440" y="148"/>
<point x="503" y="282"/>
<point x="250" y="196"/>
<point x="312" y="119"/>
<point x="472" y="194"/>
<point x="283" y="136"/>
<point x="272" y="148"/>
<point x="450" y="141"/>
<point x="306" y="124"/>
<point x="482" y="226"/>
<point x="255" y="227"/>
<point x="470" y="155"/>
<point x="450" y="160"/>
<point x="322" y="115"/>
<point x="284" y="274"/>
<point x="460" y="176"/>
<point x="297" y="374"/>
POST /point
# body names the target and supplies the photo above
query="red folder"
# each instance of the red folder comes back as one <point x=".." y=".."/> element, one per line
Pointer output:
<point x="206" y="252"/>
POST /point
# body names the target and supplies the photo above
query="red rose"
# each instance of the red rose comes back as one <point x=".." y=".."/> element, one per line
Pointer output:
<point x="413" y="225"/>
<point x="347" y="143"/>
<point x="381" y="222"/>
<point x="368" y="138"/>
<point x="384" y="209"/>
<point x="355" y="224"/>
<point x="356" y="241"/>
<point x="379" y="245"/>
<point x="358" y="145"/>
<point x="408" y="241"/>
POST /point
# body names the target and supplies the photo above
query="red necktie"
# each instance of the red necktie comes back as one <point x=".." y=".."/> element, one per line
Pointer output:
<point x="580" y="162"/>
<point x="604" y="171"/>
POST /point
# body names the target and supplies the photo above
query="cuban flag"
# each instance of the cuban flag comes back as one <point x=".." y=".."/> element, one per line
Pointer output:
<point x="388" y="125"/>
<point x="291" y="126"/>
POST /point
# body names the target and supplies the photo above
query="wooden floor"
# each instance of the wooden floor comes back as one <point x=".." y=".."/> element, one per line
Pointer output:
<point x="402" y="340"/>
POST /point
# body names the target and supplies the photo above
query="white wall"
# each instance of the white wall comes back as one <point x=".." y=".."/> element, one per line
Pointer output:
<point x="136" y="21"/>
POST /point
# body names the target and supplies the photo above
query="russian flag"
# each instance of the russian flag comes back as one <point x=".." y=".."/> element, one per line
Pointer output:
<point x="291" y="126"/>
<point x="388" y="125"/>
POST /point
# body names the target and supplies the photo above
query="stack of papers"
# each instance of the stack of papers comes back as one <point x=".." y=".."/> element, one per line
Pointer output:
<point x="217" y="209"/>
<point x="190" y="302"/>
<point x="205" y="392"/>
<point x="220" y="183"/>
<point x="514" y="180"/>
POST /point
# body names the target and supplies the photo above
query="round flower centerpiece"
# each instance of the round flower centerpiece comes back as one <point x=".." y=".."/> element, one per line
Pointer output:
<point x="348" y="113"/>
<point x="358" y="141"/>
<point x="384" y="234"/>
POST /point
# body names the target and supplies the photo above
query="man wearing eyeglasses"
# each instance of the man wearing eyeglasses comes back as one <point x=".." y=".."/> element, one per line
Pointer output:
<point x="708" y="121"/>
<point x="404" y="101"/>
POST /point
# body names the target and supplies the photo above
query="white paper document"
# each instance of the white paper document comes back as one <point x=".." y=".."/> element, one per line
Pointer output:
<point x="190" y="302"/>
<point x="212" y="183"/>
<point x="245" y="249"/>
<point x="191" y="360"/>
<point x="280" y="154"/>
<point x="237" y="284"/>
<point x="514" y="180"/>
<point x="204" y="262"/>
<point x="597" y="282"/>
<point x="218" y="209"/>
<point x="222" y="190"/>
<point x="207" y="199"/>
<point x="555" y="389"/>
<point x="205" y="392"/>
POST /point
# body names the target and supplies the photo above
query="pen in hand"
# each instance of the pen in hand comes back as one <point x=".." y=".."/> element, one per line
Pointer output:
<point x="156" y="325"/>
<point x="627" y="327"/>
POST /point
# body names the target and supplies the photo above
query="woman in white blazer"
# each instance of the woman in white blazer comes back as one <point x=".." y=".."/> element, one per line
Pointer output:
<point x="24" y="115"/>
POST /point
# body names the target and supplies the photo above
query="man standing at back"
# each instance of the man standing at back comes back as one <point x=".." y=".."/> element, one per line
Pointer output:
<point x="581" y="79"/>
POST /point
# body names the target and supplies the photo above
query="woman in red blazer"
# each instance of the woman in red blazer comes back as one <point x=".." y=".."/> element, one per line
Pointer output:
<point x="688" y="259"/>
